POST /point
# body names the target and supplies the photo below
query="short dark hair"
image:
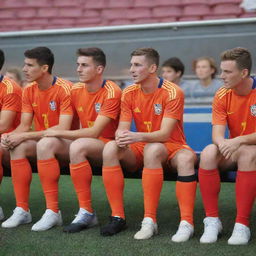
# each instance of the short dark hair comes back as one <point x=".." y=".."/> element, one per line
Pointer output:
<point x="241" y="56"/>
<point x="43" y="55"/>
<point x="176" y="64"/>
<point x="1" y="59"/>
<point x="211" y="62"/>
<point x="151" y="54"/>
<point x="97" y="54"/>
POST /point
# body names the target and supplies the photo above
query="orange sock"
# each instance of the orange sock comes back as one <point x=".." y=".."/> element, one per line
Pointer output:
<point x="245" y="195"/>
<point x="186" y="194"/>
<point x="81" y="175"/>
<point x="113" y="180"/>
<point x="21" y="179"/>
<point x="49" y="173"/>
<point x="152" y="182"/>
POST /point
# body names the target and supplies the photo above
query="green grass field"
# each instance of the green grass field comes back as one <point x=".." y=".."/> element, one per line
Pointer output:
<point x="22" y="241"/>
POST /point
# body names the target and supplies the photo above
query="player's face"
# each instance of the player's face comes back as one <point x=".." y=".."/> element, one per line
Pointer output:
<point x="140" y="68"/>
<point x="170" y="74"/>
<point x="231" y="75"/>
<point x="32" y="70"/>
<point x="203" y="69"/>
<point x="86" y="68"/>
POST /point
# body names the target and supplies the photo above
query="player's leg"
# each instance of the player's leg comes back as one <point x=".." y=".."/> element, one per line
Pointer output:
<point x="21" y="179"/>
<point x="84" y="153"/>
<point x="209" y="182"/>
<point x="113" y="179"/>
<point x="5" y="161"/>
<point x="245" y="193"/>
<point x="49" y="173"/>
<point x="184" y="161"/>
<point x="155" y="155"/>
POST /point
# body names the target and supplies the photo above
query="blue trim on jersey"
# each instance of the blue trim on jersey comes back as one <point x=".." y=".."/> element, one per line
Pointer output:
<point x="54" y="80"/>
<point x="1" y="78"/>
<point x="160" y="82"/>
<point x="103" y="84"/>
<point x="254" y="83"/>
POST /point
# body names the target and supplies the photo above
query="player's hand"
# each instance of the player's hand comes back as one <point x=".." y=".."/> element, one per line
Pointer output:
<point x="4" y="141"/>
<point x="127" y="137"/>
<point x="13" y="140"/>
<point x="229" y="147"/>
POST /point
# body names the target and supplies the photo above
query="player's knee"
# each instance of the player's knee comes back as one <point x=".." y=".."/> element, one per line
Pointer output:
<point x="247" y="155"/>
<point x="154" y="151"/>
<point x="76" y="149"/>
<point x="186" y="157"/>
<point x="110" y="150"/>
<point x="209" y="155"/>
<point x="45" y="145"/>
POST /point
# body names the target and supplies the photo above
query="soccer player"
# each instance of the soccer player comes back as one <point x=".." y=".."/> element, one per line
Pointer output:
<point x="233" y="106"/>
<point x="157" y="108"/>
<point x="97" y="102"/>
<point x="46" y="100"/>
<point x="10" y="107"/>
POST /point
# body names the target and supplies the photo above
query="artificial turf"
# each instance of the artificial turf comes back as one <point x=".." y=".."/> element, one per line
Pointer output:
<point x="22" y="241"/>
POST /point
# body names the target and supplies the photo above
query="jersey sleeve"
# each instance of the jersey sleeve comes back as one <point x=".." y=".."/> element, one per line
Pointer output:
<point x="126" y="108"/>
<point x="65" y="102"/>
<point x="175" y="106"/>
<point x="12" y="102"/>
<point x="26" y="102"/>
<point x="219" y="113"/>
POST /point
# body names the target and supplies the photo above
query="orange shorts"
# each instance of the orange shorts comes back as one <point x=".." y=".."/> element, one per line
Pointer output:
<point x="172" y="148"/>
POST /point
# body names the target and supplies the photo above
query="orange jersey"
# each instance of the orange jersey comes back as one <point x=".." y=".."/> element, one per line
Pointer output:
<point x="148" y="110"/>
<point x="235" y="111"/>
<point x="10" y="99"/>
<point x="47" y="105"/>
<point x="105" y="102"/>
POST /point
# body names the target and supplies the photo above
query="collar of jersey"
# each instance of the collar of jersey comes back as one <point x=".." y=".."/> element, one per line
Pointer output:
<point x="54" y="80"/>
<point x="160" y="82"/>
<point x="1" y="78"/>
<point x="103" y="83"/>
<point x="254" y="83"/>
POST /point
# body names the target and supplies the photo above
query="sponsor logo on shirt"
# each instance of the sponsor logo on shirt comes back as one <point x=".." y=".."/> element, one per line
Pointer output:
<point x="253" y="110"/>
<point x="80" y="109"/>
<point x="53" y="105"/>
<point x="97" y="107"/>
<point x="137" y="110"/>
<point x="158" y="109"/>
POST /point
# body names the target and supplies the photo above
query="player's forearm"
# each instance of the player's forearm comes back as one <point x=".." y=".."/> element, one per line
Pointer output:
<point x="32" y="135"/>
<point x="157" y="136"/>
<point x="4" y="127"/>
<point x="76" y="134"/>
<point x="249" y="139"/>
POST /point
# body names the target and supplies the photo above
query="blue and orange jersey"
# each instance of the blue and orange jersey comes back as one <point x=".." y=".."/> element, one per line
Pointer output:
<point x="105" y="102"/>
<point x="47" y="105"/>
<point x="10" y="99"/>
<point x="148" y="110"/>
<point x="236" y="111"/>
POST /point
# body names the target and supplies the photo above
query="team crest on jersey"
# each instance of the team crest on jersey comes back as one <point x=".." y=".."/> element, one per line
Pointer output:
<point x="253" y="110"/>
<point x="97" y="107"/>
<point x="53" y="105"/>
<point x="158" y="109"/>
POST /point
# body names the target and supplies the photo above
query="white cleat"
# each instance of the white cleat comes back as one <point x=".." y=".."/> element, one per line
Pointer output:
<point x="241" y="235"/>
<point x="148" y="229"/>
<point x="19" y="216"/>
<point x="48" y="220"/>
<point x="184" y="232"/>
<point x="212" y="228"/>
<point x="1" y="214"/>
